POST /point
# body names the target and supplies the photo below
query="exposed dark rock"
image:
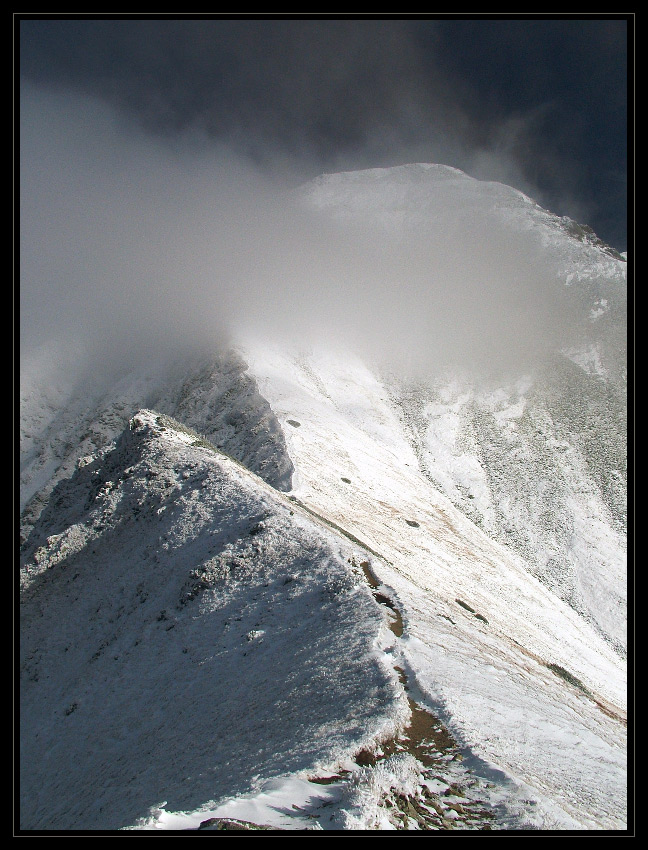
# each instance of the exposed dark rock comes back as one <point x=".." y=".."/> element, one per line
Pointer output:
<point x="222" y="824"/>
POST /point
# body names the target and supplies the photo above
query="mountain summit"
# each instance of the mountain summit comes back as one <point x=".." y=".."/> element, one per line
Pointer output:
<point x="375" y="580"/>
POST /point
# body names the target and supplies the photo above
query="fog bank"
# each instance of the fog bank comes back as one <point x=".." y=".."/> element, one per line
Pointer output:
<point x="135" y="247"/>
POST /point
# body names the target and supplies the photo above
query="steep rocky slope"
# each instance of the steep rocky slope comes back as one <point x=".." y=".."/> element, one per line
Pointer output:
<point x="185" y="635"/>
<point x="215" y="395"/>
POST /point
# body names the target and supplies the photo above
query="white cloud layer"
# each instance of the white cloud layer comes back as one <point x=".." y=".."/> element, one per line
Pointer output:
<point x="134" y="245"/>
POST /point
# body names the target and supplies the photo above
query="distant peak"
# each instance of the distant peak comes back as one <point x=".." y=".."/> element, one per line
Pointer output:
<point x="395" y="170"/>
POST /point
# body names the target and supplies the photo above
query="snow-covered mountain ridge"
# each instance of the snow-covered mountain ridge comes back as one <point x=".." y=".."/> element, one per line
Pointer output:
<point x="214" y="395"/>
<point x="490" y="518"/>
<point x="429" y="195"/>
<point x="178" y="625"/>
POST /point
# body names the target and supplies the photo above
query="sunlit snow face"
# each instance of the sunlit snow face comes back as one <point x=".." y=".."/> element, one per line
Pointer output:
<point x="133" y="247"/>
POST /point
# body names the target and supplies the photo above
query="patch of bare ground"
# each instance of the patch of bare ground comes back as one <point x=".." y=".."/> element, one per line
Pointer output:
<point x="425" y="737"/>
<point x="439" y="803"/>
<point x="449" y="806"/>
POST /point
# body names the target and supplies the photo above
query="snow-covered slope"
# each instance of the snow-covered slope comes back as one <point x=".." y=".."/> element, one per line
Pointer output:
<point x="186" y="634"/>
<point x="539" y="465"/>
<point x="429" y="197"/>
<point x="537" y="460"/>
<point x="499" y="654"/>
<point x="216" y="395"/>
<point x="197" y="644"/>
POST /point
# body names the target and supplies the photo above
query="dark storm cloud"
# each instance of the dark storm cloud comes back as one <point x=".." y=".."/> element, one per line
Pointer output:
<point x="537" y="104"/>
<point x="553" y="93"/>
<point x="300" y="86"/>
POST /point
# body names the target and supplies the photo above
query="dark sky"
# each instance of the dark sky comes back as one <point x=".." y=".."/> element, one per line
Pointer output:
<point x="538" y="104"/>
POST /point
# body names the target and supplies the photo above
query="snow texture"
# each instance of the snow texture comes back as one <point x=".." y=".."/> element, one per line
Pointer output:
<point x="185" y="633"/>
<point x="196" y="644"/>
